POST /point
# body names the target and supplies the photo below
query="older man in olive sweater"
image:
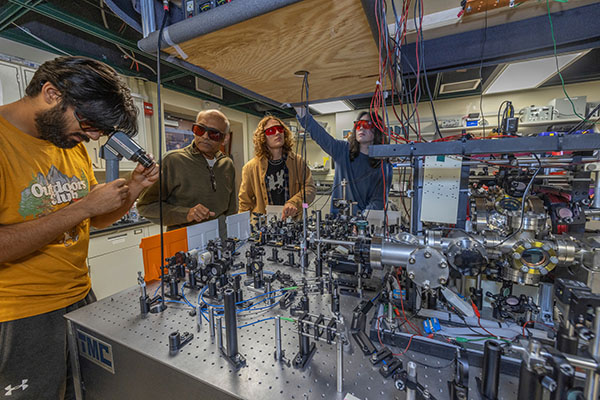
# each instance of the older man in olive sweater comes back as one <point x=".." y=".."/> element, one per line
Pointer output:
<point x="198" y="182"/>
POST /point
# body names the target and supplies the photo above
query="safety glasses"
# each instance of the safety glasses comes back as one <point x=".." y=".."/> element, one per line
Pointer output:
<point x="274" y="130"/>
<point x="86" y="125"/>
<point x="363" y="124"/>
<point x="213" y="134"/>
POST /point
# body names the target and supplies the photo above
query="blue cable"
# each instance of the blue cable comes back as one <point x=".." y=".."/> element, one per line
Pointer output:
<point x="242" y="243"/>
<point x="247" y="309"/>
<point x="201" y="297"/>
<point x="202" y="313"/>
<point x="183" y="295"/>
<point x="375" y="298"/>
<point x="266" y="307"/>
<point x="200" y="294"/>
<point x="248" y="324"/>
<point x="255" y="322"/>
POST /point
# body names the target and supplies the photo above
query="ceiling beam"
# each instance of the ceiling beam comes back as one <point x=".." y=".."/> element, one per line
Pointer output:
<point x="12" y="12"/>
<point x="174" y="75"/>
<point x="73" y="21"/>
<point x="19" y="37"/>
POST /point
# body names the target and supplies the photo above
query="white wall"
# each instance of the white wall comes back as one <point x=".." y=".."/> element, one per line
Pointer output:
<point x="10" y="48"/>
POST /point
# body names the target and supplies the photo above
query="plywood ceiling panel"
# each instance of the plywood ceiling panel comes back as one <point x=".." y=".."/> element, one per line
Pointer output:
<point x="329" y="38"/>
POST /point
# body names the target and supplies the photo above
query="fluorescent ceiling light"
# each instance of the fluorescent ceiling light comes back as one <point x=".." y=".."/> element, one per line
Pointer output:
<point x="331" y="107"/>
<point x="462" y="86"/>
<point x="529" y="74"/>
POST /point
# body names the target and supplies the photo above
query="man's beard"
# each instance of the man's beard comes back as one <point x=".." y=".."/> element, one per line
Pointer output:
<point x="52" y="126"/>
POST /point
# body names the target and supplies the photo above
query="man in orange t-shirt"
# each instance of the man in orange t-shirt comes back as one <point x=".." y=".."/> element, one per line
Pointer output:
<point x="49" y="197"/>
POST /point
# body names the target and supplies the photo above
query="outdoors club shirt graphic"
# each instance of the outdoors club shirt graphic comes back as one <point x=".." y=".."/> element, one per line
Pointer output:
<point x="37" y="179"/>
<point x="45" y="192"/>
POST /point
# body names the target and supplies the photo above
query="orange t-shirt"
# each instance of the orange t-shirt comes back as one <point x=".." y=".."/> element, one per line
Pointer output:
<point x="36" y="179"/>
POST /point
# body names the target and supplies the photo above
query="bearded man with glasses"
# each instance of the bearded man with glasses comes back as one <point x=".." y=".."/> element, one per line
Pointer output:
<point x="276" y="175"/>
<point x="49" y="198"/>
<point x="198" y="182"/>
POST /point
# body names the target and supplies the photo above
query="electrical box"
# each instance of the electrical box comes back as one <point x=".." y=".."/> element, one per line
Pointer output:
<point x="590" y="107"/>
<point x="450" y="123"/>
<point x="564" y="110"/>
<point x="536" y="113"/>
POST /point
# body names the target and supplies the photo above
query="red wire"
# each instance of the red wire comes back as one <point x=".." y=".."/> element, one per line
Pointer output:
<point x="533" y="322"/>
<point x="478" y="315"/>
<point x="381" y="343"/>
<point x="407" y="346"/>
<point x="402" y="304"/>
<point x="486" y="331"/>
<point x="525" y="324"/>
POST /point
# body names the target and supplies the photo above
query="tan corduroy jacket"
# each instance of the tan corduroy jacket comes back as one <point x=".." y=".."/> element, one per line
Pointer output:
<point x="253" y="190"/>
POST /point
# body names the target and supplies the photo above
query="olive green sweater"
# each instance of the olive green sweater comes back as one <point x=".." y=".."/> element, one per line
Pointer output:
<point x="186" y="181"/>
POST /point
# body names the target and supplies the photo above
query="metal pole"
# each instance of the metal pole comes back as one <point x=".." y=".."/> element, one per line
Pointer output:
<point x="390" y="316"/>
<point x="319" y="261"/>
<point x="333" y="241"/>
<point x="148" y="18"/>
<point x="230" y="322"/>
<point x="211" y="321"/>
<point x="199" y="313"/>
<point x="411" y="393"/>
<point x="278" y="338"/>
<point x="303" y="247"/>
<point x="490" y="370"/>
<point x="359" y="283"/>
<point x="74" y="355"/>
<point x="416" y="226"/>
<point x="576" y="361"/>
<point x="340" y="364"/>
<point x="270" y="300"/>
<point x="592" y="384"/>
<point x="596" y="203"/>
<point x="220" y="333"/>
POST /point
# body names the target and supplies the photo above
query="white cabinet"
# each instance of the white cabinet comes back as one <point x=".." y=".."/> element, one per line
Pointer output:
<point x="93" y="148"/>
<point x="114" y="260"/>
<point x="27" y="74"/>
<point x="154" y="229"/>
<point x="10" y="83"/>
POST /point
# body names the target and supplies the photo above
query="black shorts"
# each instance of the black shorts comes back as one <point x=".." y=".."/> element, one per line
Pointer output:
<point x="34" y="356"/>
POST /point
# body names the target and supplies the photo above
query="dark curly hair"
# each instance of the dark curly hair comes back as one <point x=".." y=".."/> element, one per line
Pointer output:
<point x="93" y="88"/>
<point x="379" y="138"/>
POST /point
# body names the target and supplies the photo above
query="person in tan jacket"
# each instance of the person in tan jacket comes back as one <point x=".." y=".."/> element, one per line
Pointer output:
<point x="276" y="175"/>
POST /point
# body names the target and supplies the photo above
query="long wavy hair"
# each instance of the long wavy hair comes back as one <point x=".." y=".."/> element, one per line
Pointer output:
<point x="260" y="140"/>
<point x="378" y="138"/>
